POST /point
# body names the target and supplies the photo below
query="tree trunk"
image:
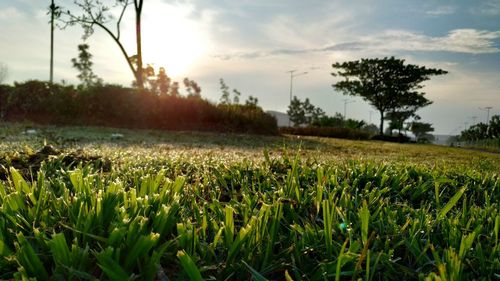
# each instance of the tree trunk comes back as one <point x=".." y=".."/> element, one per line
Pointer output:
<point x="381" y="123"/>
<point x="139" y="70"/>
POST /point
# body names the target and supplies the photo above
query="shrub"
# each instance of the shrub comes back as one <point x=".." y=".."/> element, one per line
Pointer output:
<point x="330" y="132"/>
<point x="400" y="138"/>
<point x="117" y="106"/>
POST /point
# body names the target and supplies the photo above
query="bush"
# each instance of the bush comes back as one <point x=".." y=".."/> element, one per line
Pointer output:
<point x="116" y="106"/>
<point x="329" y="132"/>
<point x="400" y="138"/>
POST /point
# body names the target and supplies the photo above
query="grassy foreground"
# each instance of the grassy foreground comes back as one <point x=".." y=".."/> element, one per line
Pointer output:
<point x="178" y="206"/>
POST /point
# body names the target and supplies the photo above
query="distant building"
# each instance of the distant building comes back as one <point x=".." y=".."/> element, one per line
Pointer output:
<point x="282" y="118"/>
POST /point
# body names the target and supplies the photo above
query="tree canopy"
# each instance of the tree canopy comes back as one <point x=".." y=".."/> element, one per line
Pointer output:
<point x="94" y="13"/>
<point x="388" y="84"/>
<point x="84" y="66"/>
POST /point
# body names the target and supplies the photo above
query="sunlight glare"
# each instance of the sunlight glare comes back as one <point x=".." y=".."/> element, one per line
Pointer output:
<point x="171" y="39"/>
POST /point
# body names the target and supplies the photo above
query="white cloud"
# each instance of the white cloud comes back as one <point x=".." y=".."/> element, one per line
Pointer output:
<point x="441" y="10"/>
<point x="467" y="41"/>
<point x="470" y="41"/>
<point x="489" y="8"/>
<point x="11" y="14"/>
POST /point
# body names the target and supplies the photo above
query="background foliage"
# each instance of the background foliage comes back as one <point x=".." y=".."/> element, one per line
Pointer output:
<point x="117" y="106"/>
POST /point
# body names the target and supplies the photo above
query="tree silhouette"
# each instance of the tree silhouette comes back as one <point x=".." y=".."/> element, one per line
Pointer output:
<point x="192" y="88"/>
<point x="96" y="13"/>
<point x="387" y="84"/>
<point x="84" y="65"/>
<point x="421" y="131"/>
<point x="303" y="112"/>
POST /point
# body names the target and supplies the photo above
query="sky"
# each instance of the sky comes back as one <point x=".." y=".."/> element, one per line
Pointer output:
<point x="252" y="44"/>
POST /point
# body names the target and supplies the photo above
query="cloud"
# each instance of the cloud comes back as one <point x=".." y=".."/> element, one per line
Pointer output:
<point x="10" y="14"/>
<point x="466" y="41"/>
<point x="489" y="8"/>
<point x="441" y="10"/>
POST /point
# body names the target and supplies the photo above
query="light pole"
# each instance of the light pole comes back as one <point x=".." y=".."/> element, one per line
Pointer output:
<point x="293" y="75"/>
<point x="487" y="109"/>
<point x="52" y="11"/>
<point x="347" y="101"/>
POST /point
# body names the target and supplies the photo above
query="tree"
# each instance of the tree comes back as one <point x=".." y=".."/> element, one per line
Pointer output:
<point x="304" y="113"/>
<point x="96" y="13"/>
<point x="236" y="98"/>
<point x="330" y="121"/>
<point x="225" y="98"/>
<point x="163" y="82"/>
<point x="84" y="65"/>
<point x="296" y="112"/>
<point x="252" y="101"/>
<point x="4" y="72"/>
<point x="192" y="88"/>
<point x="387" y="84"/>
<point x="421" y="131"/>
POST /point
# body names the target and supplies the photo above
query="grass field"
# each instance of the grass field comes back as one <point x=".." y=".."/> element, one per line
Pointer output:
<point x="177" y="206"/>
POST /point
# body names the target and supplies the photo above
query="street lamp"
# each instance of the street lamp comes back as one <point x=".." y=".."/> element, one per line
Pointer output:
<point x="346" y="102"/>
<point x="52" y="12"/>
<point x="293" y="75"/>
<point x="487" y="109"/>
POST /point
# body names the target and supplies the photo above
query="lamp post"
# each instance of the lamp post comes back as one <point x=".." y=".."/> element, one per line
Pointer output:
<point x="293" y="75"/>
<point x="52" y="12"/>
<point x="487" y="109"/>
<point x="346" y="102"/>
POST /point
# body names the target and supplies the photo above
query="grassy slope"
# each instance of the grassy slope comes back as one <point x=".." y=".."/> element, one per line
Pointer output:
<point x="391" y="211"/>
<point x="236" y="147"/>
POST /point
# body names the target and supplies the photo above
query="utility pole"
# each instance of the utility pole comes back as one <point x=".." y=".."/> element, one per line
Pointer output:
<point x="346" y="102"/>
<point x="293" y="75"/>
<point x="52" y="11"/>
<point x="487" y="109"/>
<point x="371" y="112"/>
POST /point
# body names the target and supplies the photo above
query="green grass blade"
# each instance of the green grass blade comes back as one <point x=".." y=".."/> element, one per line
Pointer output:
<point x="255" y="274"/>
<point x="189" y="266"/>
<point x="453" y="201"/>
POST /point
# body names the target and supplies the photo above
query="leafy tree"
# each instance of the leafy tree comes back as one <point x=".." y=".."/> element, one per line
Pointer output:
<point x="225" y="98"/>
<point x="304" y="113"/>
<point x="296" y="112"/>
<point x="354" y="124"/>
<point x="192" y="88"/>
<point x="482" y="131"/>
<point x="94" y="13"/>
<point x="421" y="131"/>
<point x="387" y="84"/>
<point x="252" y="101"/>
<point x="330" y="121"/>
<point x="494" y="126"/>
<point x="163" y="82"/>
<point x="226" y="95"/>
<point x="174" y="89"/>
<point x="84" y="65"/>
<point x="236" y="98"/>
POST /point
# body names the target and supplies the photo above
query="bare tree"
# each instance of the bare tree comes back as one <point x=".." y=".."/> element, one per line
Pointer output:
<point x="4" y="72"/>
<point x="97" y="13"/>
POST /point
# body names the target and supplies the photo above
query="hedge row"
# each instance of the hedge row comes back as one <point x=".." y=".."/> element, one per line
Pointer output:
<point x="330" y="132"/>
<point x="116" y="106"/>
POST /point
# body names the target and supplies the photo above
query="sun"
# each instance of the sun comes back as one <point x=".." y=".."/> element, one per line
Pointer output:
<point x="171" y="39"/>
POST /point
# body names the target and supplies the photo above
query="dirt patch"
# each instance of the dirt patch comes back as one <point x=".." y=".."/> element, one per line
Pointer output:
<point x="29" y="163"/>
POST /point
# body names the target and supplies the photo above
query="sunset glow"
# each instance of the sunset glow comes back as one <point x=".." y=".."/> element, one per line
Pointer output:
<point x="171" y="39"/>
